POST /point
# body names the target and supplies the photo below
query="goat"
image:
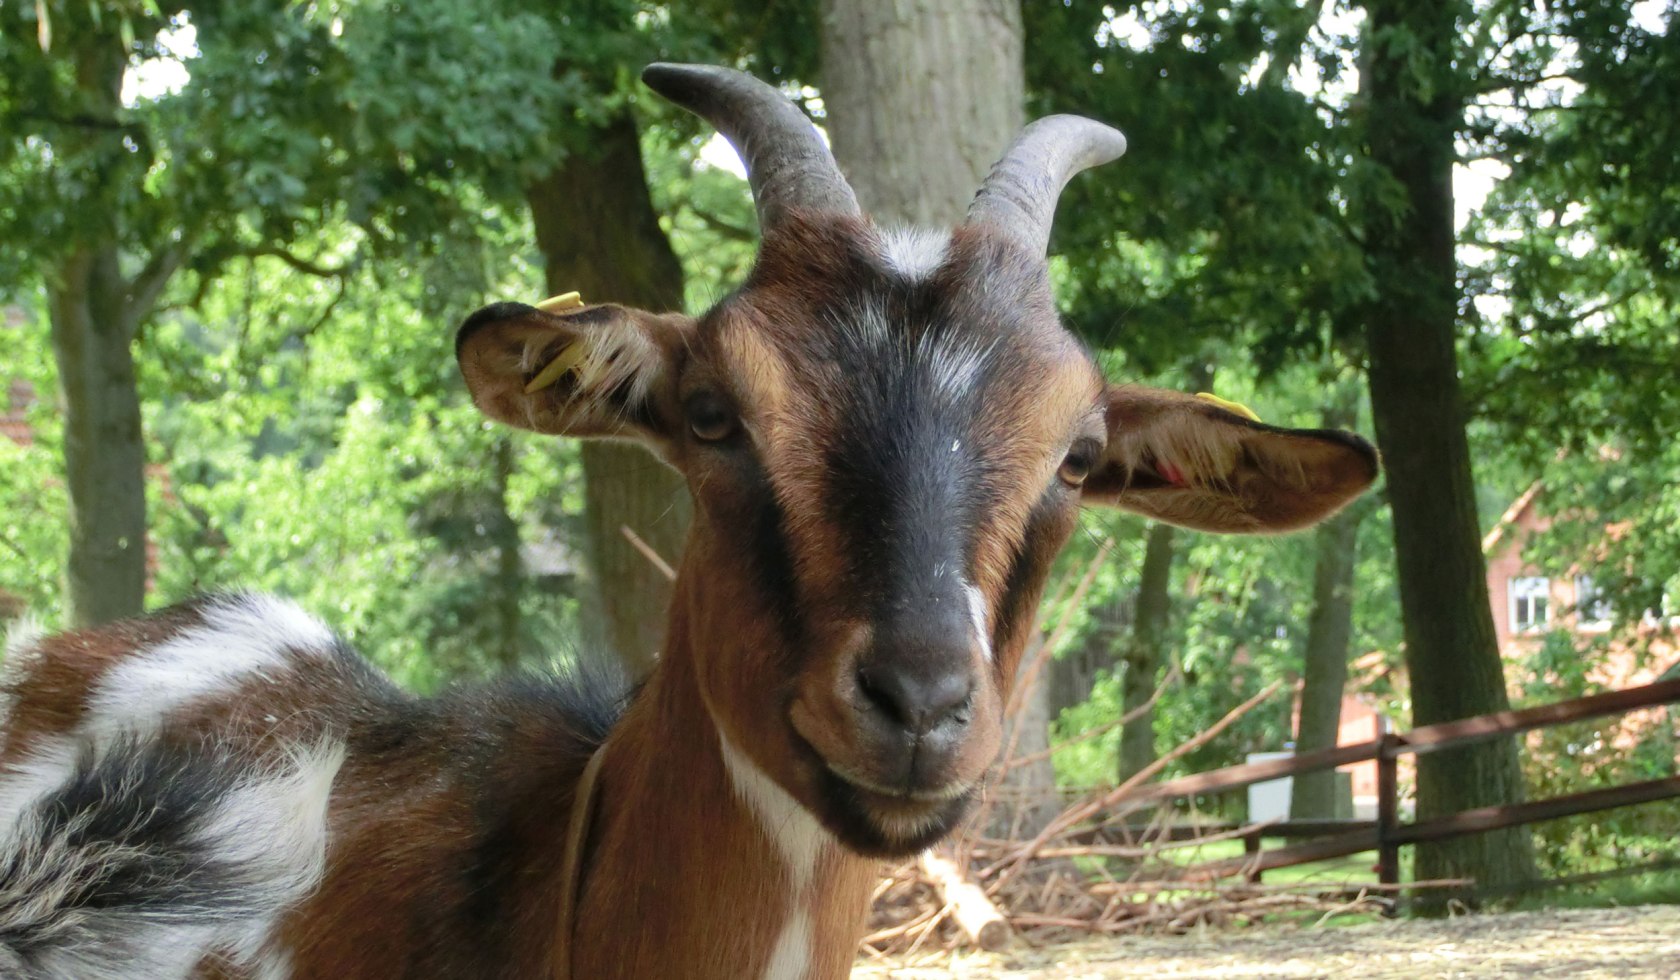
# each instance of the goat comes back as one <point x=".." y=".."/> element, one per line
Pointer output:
<point x="887" y="434"/>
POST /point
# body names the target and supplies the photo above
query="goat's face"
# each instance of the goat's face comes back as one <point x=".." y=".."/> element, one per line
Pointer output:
<point x="887" y="438"/>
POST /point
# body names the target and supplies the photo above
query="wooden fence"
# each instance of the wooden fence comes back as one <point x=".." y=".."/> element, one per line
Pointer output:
<point x="1327" y="839"/>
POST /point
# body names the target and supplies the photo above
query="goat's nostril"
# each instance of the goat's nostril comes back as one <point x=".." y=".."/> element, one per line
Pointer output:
<point x="877" y="696"/>
<point x="917" y="700"/>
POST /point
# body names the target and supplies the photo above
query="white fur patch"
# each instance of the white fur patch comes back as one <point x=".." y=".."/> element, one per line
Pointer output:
<point x="796" y="834"/>
<point x="272" y="826"/>
<point x="21" y="638"/>
<point x="799" y="839"/>
<point x="21" y="651"/>
<point x="26" y="781"/>
<point x="277" y="828"/>
<point x="950" y="359"/>
<point x="914" y="253"/>
<point x="792" y="955"/>
<point x="954" y="362"/>
<point x="977" y="612"/>
<point x="240" y="638"/>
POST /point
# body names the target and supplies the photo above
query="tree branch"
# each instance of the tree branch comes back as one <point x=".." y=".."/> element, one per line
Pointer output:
<point x="1499" y="83"/>
<point x="728" y="230"/>
<point x="82" y="121"/>
<point x="148" y="284"/>
<point x="298" y="262"/>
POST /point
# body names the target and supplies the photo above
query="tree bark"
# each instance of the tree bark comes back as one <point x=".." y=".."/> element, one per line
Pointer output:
<point x="1074" y="674"/>
<point x="104" y="453"/>
<point x="1146" y="652"/>
<point x="922" y="97"/>
<point x="598" y="234"/>
<point x="1329" y="633"/>
<point x="1415" y="105"/>
<point x="510" y="569"/>
<point x="95" y="313"/>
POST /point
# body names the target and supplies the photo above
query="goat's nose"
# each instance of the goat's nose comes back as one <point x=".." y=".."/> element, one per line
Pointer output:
<point x="919" y="698"/>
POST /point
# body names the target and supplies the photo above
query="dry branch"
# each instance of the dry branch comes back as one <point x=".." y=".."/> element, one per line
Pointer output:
<point x="979" y="918"/>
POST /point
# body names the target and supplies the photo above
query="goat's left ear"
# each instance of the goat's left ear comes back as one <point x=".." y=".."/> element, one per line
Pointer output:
<point x="588" y="371"/>
<point x="1198" y="464"/>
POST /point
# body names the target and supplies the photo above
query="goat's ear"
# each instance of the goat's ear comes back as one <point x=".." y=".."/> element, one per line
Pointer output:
<point x="604" y="371"/>
<point x="1198" y="463"/>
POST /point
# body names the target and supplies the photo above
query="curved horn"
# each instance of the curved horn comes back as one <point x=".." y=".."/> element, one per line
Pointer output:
<point x="1019" y="196"/>
<point x="788" y="164"/>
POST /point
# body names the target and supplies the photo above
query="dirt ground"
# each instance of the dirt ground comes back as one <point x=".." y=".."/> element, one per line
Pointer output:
<point x="1581" y="944"/>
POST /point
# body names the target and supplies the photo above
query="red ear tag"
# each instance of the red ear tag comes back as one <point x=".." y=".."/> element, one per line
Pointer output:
<point x="1171" y="473"/>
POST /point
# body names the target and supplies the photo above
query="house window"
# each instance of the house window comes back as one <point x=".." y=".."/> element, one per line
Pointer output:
<point x="1530" y="603"/>
<point x="1592" y="609"/>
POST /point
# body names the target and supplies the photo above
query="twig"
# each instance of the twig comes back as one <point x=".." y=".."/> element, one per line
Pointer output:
<point x="1011" y="866"/>
<point x="647" y="552"/>
<point x="1090" y="733"/>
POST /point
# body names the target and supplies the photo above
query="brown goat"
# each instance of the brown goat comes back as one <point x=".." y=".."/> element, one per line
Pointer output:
<point x="887" y="434"/>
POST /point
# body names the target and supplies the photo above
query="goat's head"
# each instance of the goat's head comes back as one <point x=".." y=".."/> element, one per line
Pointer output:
<point x="887" y="436"/>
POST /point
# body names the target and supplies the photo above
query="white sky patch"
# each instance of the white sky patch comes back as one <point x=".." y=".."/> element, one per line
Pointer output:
<point x="154" y="78"/>
<point x="717" y="154"/>
<point x="1649" y="14"/>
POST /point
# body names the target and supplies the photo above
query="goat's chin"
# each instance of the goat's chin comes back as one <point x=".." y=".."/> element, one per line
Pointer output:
<point x="878" y="826"/>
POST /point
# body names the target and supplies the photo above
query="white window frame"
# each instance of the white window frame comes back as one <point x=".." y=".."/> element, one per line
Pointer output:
<point x="1525" y="589"/>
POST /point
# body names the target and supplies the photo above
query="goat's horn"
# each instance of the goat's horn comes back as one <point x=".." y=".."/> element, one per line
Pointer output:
<point x="788" y="165"/>
<point x="1019" y="195"/>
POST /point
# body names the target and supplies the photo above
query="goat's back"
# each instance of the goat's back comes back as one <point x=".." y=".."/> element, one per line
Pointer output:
<point x="225" y="789"/>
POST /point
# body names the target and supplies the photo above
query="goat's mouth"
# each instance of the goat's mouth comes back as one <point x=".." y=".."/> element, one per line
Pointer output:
<point x="879" y="821"/>
<point x="878" y="806"/>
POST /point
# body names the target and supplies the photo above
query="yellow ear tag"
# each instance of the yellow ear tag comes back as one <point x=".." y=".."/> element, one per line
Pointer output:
<point x="1235" y="408"/>
<point x="561" y="303"/>
<point x="570" y="356"/>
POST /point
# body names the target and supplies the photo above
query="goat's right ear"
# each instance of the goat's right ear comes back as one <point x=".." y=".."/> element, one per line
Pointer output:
<point x="598" y="371"/>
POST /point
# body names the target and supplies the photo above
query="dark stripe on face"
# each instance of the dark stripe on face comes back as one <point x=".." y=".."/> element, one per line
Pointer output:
<point x="1048" y="524"/>
<point x="904" y="478"/>
<point x="756" y="520"/>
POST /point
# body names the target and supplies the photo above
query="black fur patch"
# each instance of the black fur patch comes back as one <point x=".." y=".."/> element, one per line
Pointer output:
<point x="114" y="847"/>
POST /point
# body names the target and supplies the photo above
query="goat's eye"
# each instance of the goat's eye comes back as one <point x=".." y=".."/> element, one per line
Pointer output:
<point x="1078" y="464"/>
<point x="710" y="418"/>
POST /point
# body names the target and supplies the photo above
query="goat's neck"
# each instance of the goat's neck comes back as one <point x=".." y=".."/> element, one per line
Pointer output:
<point x="699" y="866"/>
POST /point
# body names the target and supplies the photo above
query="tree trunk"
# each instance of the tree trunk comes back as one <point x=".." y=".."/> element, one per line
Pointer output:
<point x="598" y="234"/>
<point x="922" y="98"/>
<point x="104" y="455"/>
<point x="95" y="313"/>
<point x="1074" y="674"/>
<point x="510" y="570"/>
<point x="1146" y="652"/>
<point x="1414" y="106"/>
<point x="1329" y="633"/>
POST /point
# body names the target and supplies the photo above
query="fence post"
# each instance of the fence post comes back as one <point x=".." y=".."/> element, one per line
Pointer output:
<point x="1388" y="815"/>
<point x="1251" y="850"/>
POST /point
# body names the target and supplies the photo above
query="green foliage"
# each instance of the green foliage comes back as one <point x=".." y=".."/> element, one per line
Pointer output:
<point x="320" y="445"/>
<point x="32" y="515"/>
<point x="1591" y="755"/>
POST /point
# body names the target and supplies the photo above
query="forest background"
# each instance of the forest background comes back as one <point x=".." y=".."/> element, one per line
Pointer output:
<point x="235" y="239"/>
